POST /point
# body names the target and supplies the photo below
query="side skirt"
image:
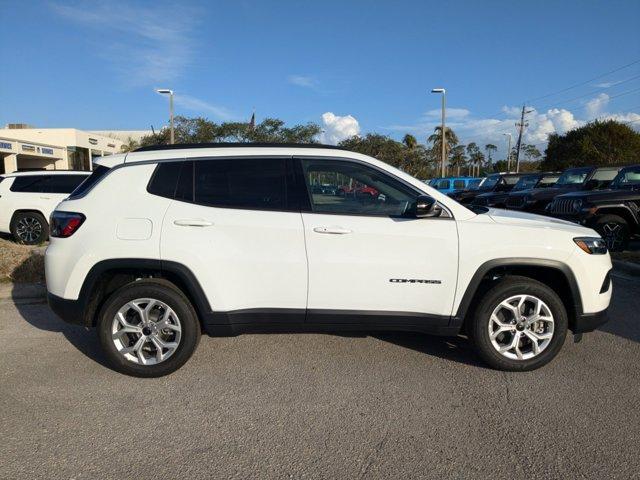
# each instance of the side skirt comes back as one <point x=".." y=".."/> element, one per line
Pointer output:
<point x="279" y="320"/>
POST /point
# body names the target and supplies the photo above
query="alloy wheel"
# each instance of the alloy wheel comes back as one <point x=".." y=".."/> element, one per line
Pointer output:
<point x="521" y="327"/>
<point x="28" y="229"/>
<point x="146" y="331"/>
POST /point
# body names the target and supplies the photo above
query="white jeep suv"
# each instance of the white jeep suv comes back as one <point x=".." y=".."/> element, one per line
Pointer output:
<point x="28" y="198"/>
<point x="165" y="242"/>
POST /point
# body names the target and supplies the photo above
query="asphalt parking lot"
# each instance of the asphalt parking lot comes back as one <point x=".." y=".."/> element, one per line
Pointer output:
<point x="319" y="406"/>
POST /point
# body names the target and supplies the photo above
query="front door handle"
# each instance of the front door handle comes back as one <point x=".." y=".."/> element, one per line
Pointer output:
<point x="332" y="230"/>
<point x="192" y="222"/>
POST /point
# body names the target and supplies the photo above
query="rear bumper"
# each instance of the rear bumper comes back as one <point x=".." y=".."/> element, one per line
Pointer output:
<point x="71" y="311"/>
<point x="588" y="322"/>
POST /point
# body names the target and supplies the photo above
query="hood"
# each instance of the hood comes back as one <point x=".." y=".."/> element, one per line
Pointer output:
<point x="549" y="193"/>
<point x="523" y="219"/>
<point x="596" y="196"/>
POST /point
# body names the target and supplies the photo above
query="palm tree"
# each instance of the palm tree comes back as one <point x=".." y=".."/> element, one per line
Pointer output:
<point x="436" y="140"/>
<point x="490" y="148"/>
<point x="458" y="158"/>
<point x="410" y="141"/>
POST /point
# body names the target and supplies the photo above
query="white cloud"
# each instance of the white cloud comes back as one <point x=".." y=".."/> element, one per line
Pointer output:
<point x="201" y="106"/>
<point x="305" y="81"/>
<point x="337" y="128"/>
<point x="596" y="105"/>
<point x="452" y="113"/>
<point x="143" y="42"/>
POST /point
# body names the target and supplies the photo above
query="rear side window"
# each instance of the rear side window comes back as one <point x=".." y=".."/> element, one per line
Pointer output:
<point x="248" y="183"/>
<point x="165" y="179"/>
<point x="98" y="173"/>
<point x="458" y="184"/>
<point x="30" y="184"/>
<point x="443" y="185"/>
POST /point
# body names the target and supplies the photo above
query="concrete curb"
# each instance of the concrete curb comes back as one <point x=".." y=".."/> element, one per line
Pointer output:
<point x="22" y="291"/>
<point x="628" y="268"/>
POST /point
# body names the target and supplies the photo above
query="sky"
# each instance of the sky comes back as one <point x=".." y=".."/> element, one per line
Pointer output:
<point x="351" y="66"/>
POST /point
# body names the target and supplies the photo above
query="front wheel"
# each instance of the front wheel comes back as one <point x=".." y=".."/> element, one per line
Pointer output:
<point x="148" y="328"/>
<point x="614" y="231"/>
<point x="519" y="325"/>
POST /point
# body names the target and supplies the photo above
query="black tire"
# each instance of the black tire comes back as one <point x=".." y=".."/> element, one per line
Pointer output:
<point x="614" y="230"/>
<point x="478" y="325"/>
<point x="165" y="292"/>
<point x="29" y="228"/>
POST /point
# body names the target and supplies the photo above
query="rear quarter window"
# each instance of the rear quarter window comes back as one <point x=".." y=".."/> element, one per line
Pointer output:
<point x="458" y="184"/>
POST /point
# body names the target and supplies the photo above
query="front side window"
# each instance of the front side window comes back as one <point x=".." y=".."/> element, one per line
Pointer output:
<point x="246" y="183"/>
<point x="360" y="190"/>
<point x="489" y="182"/>
<point x="526" y="182"/>
<point x="443" y="185"/>
<point x="65" y="183"/>
<point x="547" y="181"/>
<point x="605" y="174"/>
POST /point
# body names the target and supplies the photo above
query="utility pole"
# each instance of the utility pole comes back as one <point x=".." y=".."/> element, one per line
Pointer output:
<point x="508" y="152"/>
<point x="444" y="137"/>
<point x="521" y="125"/>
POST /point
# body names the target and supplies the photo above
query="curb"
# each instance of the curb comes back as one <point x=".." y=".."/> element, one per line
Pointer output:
<point x="22" y="291"/>
<point x="628" y="268"/>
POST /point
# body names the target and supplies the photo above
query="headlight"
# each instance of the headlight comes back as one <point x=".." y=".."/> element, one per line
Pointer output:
<point x="591" y="245"/>
<point x="576" y="205"/>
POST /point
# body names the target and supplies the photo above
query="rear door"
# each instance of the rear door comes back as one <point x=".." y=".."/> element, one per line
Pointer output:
<point x="370" y="260"/>
<point x="235" y="225"/>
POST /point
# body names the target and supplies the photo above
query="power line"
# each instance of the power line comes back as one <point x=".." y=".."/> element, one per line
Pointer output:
<point x="583" y="83"/>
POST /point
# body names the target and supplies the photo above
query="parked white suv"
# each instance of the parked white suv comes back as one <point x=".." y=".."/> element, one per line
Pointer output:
<point x="28" y="198"/>
<point x="165" y="242"/>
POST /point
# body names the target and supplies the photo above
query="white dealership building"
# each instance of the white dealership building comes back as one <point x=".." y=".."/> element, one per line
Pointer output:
<point x="26" y="148"/>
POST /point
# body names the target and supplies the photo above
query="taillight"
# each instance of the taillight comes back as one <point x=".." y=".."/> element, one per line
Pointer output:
<point x="65" y="224"/>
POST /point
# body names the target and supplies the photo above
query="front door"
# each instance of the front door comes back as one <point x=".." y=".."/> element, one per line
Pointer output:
<point x="370" y="259"/>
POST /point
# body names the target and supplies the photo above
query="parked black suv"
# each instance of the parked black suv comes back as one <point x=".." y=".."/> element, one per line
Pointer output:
<point x="496" y="182"/>
<point x="571" y="180"/>
<point x="614" y="213"/>
<point x="530" y="181"/>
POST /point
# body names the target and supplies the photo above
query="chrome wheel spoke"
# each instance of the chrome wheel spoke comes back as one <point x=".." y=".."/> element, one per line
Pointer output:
<point x="521" y="327"/>
<point x="146" y="331"/>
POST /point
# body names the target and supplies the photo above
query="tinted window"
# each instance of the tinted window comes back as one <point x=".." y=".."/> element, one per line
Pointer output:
<point x="29" y="183"/>
<point x="361" y="190"/>
<point x="458" y="184"/>
<point x="604" y="175"/>
<point x="64" y="183"/>
<point x="443" y="185"/>
<point x="255" y="183"/>
<point x="165" y="179"/>
<point x="98" y="173"/>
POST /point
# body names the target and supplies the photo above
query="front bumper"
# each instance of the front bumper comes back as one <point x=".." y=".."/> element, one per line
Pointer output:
<point x="71" y="311"/>
<point x="588" y="322"/>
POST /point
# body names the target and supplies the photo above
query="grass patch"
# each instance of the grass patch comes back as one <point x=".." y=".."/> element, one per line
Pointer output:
<point x="21" y="263"/>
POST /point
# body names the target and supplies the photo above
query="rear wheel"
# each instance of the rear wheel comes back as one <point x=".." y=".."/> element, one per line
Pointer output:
<point x="614" y="231"/>
<point x="148" y="328"/>
<point x="519" y="325"/>
<point x="29" y="228"/>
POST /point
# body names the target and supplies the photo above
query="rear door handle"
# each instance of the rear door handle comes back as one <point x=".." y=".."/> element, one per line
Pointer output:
<point x="192" y="222"/>
<point x="332" y="230"/>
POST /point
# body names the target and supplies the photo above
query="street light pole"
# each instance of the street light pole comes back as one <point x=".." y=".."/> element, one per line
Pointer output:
<point x="444" y="138"/>
<point x="508" y="152"/>
<point x="166" y="91"/>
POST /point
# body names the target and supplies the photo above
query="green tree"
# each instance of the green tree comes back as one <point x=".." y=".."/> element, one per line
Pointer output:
<point x="490" y="148"/>
<point x="597" y="143"/>
<point x="531" y="153"/>
<point x="435" y="139"/>
<point x="458" y="158"/>
<point x="476" y="157"/>
<point x="202" y="130"/>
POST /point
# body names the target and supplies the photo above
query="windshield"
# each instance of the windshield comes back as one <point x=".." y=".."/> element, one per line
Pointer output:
<point x="627" y="177"/>
<point x="573" y="176"/>
<point x="489" y="182"/>
<point x="525" y="183"/>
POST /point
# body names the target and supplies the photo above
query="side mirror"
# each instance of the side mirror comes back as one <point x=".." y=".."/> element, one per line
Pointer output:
<point x="426" y="206"/>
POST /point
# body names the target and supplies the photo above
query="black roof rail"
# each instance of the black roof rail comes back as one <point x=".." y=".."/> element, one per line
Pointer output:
<point x="182" y="146"/>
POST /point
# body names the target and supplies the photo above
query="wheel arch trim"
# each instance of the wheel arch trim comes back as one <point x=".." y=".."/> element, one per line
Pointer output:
<point x="485" y="268"/>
